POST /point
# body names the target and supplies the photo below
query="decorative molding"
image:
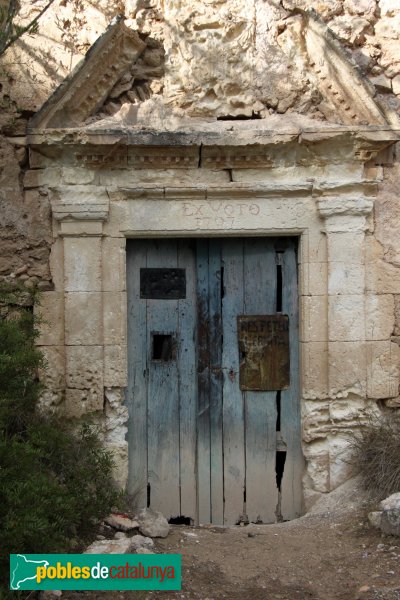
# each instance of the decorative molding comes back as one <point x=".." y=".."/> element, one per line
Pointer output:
<point x="347" y="93"/>
<point x="211" y="150"/>
<point x="139" y="157"/>
<point x="323" y="193"/>
<point x="81" y="202"/>
<point x="159" y="157"/>
<point x="81" y="94"/>
<point x="102" y="157"/>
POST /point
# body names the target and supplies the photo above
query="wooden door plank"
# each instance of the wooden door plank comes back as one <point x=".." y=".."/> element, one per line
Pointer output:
<point x="291" y="487"/>
<point x="233" y="413"/>
<point x="215" y="336"/>
<point x="187" y="383"/>
<point x="136" y="395"/>
<point x="260" y="407"/>
<point x="163" y="397"/>
<point x="203" y="379"/>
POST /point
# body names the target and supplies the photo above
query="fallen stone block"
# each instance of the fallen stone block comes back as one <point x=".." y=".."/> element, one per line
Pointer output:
<point x="390" y="521"/>
<point x="139" y="543"/>
<point x="121" y="523"/>
<point x="152" y="523"/>
<point x="109" y="547"/>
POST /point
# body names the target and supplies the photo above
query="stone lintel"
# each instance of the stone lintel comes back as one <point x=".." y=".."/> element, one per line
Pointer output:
<point x="212" y="192"/>
<point x="326" y="194"/>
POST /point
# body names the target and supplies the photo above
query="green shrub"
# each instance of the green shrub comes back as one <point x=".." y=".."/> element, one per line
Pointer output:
<point x="376" y="455"/>
<point x="55" y="479"/>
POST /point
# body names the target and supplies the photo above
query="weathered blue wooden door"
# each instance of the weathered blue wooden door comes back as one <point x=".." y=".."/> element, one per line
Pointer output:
<point x="214" y="412"/>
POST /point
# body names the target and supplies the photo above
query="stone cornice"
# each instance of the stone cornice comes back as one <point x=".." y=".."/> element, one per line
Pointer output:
<point x="81" y="94"/>
<point x="212" y="149"/>
<point x="347" y="93"/>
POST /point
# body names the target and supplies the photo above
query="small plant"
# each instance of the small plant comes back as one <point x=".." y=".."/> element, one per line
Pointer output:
<point x="10" y="30"/>
<point x="55" y="479"/>
<point x="376" y="455"/>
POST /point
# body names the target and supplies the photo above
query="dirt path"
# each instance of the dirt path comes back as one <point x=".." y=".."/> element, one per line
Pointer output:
<point x="307" y="559"/>
<point x="330" y="554"/>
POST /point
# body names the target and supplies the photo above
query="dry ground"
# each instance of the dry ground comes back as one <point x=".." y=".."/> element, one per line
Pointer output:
<point x="330" y="554"/>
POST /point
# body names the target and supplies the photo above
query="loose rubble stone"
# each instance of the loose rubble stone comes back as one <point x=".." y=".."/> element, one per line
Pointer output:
<point x="382" y="83"/>
<point x="139" y="542"/>
<point x="390" y="521"/>
<point x="396" y="84"/>
<point x="120" y="535"/>
<point x="374" y="518"/>
<point x="391" y="502"/>
<point x="121" y="523"/>
<point x="109" y="547"/>
<point x="152" y="523"/>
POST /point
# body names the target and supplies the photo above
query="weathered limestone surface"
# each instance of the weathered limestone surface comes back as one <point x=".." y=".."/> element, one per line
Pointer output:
<point x="231" y="57"/>
<point x="215" y="58"/>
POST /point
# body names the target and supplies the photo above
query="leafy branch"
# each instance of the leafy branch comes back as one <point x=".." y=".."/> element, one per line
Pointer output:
<point x="10" y="32"/>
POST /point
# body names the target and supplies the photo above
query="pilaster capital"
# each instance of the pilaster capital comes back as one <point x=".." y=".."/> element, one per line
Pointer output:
<point x="79" y="202"/>
<point x="350" y="206"/>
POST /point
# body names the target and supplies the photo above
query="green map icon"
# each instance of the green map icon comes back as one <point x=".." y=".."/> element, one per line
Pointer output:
<point x="24" y="569"/>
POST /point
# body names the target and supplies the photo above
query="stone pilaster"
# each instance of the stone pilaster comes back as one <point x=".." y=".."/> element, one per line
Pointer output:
<point x="80" y="212"/>
<point x="345" y="220"/>
<point x="345" y="225"/>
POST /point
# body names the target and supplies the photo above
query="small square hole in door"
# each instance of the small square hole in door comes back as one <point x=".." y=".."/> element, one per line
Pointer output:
<point x="162" y="347"/>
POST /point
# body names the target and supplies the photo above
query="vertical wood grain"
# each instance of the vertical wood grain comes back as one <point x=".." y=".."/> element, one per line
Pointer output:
<point x="215" y="276"/>
<point x="163" y="397"/>
<point x="260" y="407"/>
<point x="233" y="409"/>
<point x="291" y="488"/>
<point x="187" y="383"/>
<point x="136" y="394"/>
<point x="203" y="382"/>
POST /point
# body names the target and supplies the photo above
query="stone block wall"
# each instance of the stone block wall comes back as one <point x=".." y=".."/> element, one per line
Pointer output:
<point x="222" y="58"/>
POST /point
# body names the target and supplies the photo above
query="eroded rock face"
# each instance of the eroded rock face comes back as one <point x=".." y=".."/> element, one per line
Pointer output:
<point x="222" y="57"/>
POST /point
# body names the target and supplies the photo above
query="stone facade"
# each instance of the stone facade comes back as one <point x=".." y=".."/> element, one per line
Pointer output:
<point x="136" y="126"/>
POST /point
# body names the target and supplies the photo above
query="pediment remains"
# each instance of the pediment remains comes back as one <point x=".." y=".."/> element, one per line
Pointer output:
<point x="125" y="69"/>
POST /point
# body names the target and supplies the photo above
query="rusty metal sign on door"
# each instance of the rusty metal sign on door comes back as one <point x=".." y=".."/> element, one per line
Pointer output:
<point x="264" y="352"/>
